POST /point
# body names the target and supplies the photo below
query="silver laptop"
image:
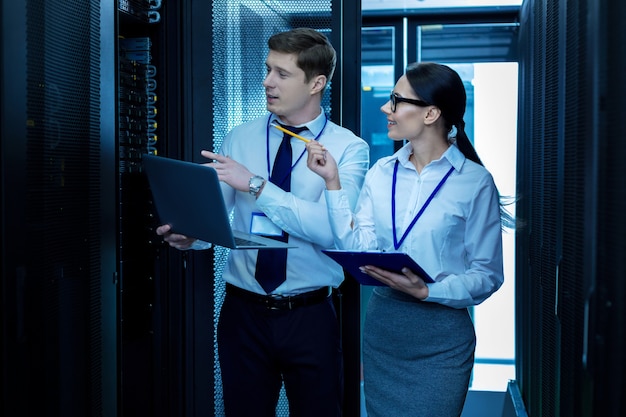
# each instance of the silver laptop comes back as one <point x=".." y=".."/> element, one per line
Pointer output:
<point x="189" y="198"/>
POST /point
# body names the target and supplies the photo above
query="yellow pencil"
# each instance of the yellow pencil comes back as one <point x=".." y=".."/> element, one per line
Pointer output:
<point x="295" y="135"/>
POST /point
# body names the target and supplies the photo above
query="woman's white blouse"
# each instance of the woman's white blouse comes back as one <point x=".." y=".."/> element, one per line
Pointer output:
<point x="458" y="238"/>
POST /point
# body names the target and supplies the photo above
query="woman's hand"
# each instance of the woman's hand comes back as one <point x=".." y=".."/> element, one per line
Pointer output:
<point x="320" y="161"/>
<point x="407" y="282"/>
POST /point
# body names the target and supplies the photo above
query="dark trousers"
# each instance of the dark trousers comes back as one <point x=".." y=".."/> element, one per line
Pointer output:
<point x="259" y="349"/>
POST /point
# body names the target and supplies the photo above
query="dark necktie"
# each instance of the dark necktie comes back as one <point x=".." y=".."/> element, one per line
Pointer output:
<point x="271" y="264"/>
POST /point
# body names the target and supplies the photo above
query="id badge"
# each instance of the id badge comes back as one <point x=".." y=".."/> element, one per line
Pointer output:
<point x="262" y="225"/>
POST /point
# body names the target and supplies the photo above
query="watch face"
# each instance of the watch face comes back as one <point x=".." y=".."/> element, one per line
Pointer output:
<point x="255" y="184"/>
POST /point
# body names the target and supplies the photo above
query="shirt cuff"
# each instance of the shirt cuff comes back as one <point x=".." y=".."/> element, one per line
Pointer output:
<point x="268" y="194"/>
<point x="200" y="245"/>
<point x="337" y="200"/>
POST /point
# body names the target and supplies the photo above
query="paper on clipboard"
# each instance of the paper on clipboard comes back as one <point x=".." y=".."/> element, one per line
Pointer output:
<point x="351" y="261"/>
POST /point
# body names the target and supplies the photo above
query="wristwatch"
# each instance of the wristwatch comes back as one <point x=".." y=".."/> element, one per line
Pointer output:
<point x="256" y="183"/>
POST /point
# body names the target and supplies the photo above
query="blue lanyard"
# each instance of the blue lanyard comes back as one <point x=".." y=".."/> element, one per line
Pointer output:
<point x="397" y="244"/>
<point x="267" y="143"/>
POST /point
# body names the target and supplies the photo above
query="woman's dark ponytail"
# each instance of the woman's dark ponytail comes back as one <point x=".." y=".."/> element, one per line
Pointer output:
<point x="464" y="144"/>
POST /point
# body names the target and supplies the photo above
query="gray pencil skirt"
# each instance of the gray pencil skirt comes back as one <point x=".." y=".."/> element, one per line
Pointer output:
<point x="417" y="357"/>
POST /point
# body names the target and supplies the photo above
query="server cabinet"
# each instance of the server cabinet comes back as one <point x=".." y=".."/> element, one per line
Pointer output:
<point x="570" y="264"/>
<point x="152" y="321"/>
<point x="58" y="268"/>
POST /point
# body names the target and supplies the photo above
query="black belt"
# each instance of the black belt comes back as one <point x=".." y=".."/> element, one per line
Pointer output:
<point x="281" y="302"/>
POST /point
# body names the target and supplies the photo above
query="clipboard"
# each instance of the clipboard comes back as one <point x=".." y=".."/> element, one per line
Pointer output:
<point x="351" y="261"/>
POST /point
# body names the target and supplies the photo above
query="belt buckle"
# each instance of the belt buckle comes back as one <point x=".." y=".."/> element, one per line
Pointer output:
<point x="277" y="298"/>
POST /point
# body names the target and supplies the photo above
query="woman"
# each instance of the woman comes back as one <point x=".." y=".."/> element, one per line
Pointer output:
<point x="434" y="200"/>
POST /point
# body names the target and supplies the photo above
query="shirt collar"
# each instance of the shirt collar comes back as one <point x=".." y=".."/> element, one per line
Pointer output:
<point x="402" y="155"/>
<point x="315" y="126"/>
<point x="453" y="155"/>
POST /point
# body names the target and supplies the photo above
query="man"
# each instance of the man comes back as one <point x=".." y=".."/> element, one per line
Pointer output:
<point x="286" y="332"/>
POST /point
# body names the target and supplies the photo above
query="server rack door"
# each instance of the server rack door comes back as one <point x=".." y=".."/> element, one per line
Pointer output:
<point x="57" y="275"/>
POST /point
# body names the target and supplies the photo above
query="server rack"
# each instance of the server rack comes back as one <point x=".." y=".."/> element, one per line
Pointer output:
<point x="152" y="295"/>
<point x="58" y="292"/>
<point x="570" y="260"/>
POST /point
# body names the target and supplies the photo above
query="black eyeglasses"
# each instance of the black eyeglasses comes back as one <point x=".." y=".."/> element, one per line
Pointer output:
<point x="395" y="99"/>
